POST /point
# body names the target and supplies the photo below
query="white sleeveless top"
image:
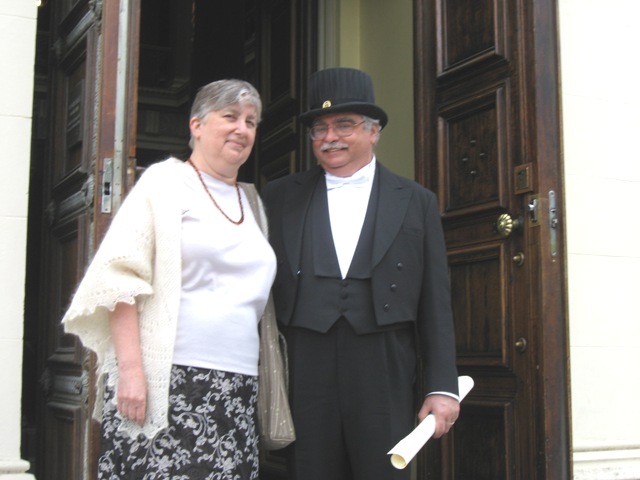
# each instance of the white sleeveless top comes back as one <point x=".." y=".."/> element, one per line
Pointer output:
<point x="227" y="272"/>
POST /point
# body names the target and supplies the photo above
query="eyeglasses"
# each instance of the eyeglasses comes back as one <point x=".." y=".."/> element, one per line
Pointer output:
<point x="342" y="129"/>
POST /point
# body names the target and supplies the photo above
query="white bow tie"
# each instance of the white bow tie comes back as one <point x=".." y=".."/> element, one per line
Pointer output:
<point x="357" y="180"/>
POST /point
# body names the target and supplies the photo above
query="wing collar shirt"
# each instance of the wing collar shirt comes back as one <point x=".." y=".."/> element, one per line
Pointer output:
<point x="348" y="199"/>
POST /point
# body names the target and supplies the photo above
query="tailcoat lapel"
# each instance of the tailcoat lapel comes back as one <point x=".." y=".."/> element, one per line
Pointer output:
<point x="393" y="202"/>
<point x="295" y="209"/>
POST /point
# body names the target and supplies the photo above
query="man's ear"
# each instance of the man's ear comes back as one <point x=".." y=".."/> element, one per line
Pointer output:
<point x="375" y="133"/>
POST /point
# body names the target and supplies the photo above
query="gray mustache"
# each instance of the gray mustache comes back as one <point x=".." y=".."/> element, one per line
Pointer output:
<point x="332" y="145"/>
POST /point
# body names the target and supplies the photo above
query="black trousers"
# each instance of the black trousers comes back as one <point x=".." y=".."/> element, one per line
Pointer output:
<point x="352" y="399"/>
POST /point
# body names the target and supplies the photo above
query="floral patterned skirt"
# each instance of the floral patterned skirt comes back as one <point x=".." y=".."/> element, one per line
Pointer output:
<point x="211" y="433"/>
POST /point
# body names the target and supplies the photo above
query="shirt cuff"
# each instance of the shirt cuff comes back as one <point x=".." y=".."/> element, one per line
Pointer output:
<point x="448" y="394"/>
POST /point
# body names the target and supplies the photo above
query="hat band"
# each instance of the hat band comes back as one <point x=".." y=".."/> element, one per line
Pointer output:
<point x="336" y="103"/>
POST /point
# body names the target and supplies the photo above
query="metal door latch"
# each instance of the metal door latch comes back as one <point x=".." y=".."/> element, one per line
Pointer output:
<point x="532" y="208"/>
<point x="553" y="224"/>
<point x="106" y="190"/>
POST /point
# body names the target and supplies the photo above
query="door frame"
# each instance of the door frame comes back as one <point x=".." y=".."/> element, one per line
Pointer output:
<point x="117" y="118"/>
<point x="116" y="121"/>
<point x="553" y="319"/>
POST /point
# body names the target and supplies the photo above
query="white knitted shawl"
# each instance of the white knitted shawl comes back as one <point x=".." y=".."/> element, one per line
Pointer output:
<point x="139" y="261"/>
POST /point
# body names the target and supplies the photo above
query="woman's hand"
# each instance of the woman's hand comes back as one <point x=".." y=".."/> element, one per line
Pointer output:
<point x="132" y="385"/>
<point x="132" y="393"/>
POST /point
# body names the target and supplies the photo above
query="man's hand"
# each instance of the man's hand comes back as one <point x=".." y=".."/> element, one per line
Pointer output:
<point x="446" y="410"/>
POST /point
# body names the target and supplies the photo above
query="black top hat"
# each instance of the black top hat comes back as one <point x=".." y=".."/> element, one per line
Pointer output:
<point x="341" y="90"/>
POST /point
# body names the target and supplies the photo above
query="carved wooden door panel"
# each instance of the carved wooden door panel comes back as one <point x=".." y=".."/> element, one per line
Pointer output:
<point x="479" y="119"/>
<point x="64" y="386"/>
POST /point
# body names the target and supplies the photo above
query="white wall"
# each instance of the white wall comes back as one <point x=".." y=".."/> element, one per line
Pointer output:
<point x="601" y="110"/>
<point x="17" y="50"/>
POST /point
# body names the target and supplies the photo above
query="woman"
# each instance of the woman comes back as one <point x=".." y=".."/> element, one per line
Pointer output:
<point x="171" y="304"/>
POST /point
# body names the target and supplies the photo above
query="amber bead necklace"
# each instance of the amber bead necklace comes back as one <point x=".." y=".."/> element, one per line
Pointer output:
<point x="235" y="222"/>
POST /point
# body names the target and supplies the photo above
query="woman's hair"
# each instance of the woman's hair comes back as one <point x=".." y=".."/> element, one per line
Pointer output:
<point x="221" y="94"/>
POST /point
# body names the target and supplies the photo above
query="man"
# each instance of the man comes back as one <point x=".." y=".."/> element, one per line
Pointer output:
<point x="361" y="288"/>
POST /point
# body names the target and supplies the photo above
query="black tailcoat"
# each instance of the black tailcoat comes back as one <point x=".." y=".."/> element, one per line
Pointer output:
<point x="409" y="272"/>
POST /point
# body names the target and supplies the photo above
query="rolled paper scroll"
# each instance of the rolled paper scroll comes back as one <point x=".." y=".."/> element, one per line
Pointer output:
<point x="407" y="448"/>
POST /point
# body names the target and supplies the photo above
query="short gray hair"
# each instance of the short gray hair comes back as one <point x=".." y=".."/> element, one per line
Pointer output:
<point x="368" y="125"/>
<point x="220" y="94"/>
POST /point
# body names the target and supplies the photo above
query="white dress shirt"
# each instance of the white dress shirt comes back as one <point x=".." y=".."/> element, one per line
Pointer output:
<point x="348" y="199"/>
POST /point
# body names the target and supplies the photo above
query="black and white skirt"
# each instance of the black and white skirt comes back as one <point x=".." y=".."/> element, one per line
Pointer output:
<point x="211" y="434"/>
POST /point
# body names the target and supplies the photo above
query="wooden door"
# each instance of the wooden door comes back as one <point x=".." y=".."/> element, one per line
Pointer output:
<point x="487" y="142"/>
<point x="84" y="142"/>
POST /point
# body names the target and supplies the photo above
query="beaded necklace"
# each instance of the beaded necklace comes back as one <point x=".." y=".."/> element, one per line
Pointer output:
<point x="235" y="222"/>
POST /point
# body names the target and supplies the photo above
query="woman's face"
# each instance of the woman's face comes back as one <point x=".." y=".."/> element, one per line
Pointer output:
<point x="223" y="140"/>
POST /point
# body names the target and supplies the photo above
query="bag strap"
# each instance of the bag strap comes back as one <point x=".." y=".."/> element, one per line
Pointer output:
<point x="256" y="206"/>
<point x="261" y="218"/>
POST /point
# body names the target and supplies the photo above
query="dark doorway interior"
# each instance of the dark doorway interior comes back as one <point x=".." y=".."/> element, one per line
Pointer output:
<point x="183" y="46"/>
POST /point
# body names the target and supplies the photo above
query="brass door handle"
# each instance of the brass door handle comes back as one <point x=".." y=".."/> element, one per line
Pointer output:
<point x="505" y="224"/>
<point x="521" y="344"/>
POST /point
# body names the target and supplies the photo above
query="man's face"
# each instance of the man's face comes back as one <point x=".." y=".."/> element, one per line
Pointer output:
<point x="343" y="155"/>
